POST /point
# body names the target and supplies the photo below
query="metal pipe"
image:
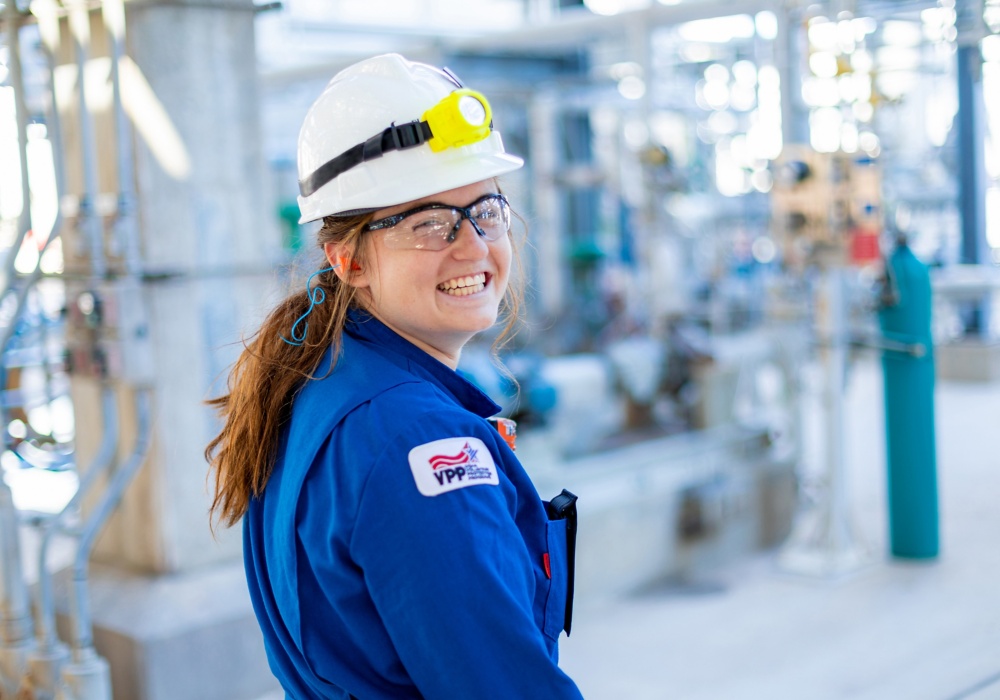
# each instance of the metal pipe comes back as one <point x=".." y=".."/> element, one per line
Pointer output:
<point x="551" y="283"/>
<point x="82" y="638"/>
<point x="126" y="230"/>
<point x="19" y="284"/>
<point x="913" y="349"/>
<point x="823" y="542"/>
<point x="42" y="662"/>
<point x="15" y="616"/>
<point x="16" y="620"/>
<point x="46" y="15"/>
<point x="837" y="514"/>
<point x="22" y="291"/>
<point x="14" y="21"/>
<point x="45" y="630"/>
<point x="794" y="117"/>
<point x="90" y="223"/>
<point x="47" y="660"/>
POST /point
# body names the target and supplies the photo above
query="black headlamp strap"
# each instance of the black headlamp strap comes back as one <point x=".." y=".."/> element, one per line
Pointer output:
<point x="395" y="138"/>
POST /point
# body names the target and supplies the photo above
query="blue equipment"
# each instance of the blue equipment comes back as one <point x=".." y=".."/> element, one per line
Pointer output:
<point x="905" y="320"/>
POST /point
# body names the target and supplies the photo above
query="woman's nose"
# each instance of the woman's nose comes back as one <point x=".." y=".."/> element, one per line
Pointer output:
<point x="468" y="243"/>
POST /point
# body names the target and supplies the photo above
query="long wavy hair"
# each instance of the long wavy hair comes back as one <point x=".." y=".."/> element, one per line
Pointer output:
<point x="269" y="372"/>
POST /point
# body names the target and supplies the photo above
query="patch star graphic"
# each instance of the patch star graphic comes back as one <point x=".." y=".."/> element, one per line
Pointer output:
<point x="453" y="463"/>
<point x="464" y="457"/>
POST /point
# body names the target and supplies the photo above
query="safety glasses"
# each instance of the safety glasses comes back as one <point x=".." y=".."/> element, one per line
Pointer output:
<point x="436" y="226"/>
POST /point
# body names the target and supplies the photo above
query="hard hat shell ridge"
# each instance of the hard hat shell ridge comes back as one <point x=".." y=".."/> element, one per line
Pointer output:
<point x="358" y="104"/>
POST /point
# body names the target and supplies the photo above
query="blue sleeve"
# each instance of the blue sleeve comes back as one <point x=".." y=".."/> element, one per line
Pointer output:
<point x="452" y="577"/>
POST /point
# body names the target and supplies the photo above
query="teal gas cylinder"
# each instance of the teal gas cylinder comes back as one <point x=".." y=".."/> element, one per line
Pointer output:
<point x="909" y="408"/>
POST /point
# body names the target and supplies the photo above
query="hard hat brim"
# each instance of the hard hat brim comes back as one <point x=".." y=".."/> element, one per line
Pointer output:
<point x="407" y="185"/>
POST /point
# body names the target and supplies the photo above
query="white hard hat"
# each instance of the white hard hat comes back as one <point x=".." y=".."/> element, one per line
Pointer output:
<point x="379" y="136"/>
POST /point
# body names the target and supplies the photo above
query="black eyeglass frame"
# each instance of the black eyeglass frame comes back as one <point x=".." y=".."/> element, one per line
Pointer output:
<point x="466" y="213"/>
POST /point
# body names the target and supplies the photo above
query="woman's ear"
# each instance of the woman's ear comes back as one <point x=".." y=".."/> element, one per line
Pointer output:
<point x="347" y="269"/>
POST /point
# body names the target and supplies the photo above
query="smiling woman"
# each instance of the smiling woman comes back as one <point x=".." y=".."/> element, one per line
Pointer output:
<point x="394" y="546"/>
<point x="435" y="280"/>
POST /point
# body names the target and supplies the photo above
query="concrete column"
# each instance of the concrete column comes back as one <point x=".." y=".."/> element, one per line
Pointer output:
<point x="169" y="603"/>
<point x="208" y="244"/>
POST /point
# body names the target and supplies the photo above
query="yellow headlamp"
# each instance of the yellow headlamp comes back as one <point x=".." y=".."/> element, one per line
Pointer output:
<point x="461" y="118"/>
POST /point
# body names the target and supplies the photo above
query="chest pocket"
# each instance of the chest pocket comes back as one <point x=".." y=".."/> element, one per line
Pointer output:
<point x="560" y="535"/>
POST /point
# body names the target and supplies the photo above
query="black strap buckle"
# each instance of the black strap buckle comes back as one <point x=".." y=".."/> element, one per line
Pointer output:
<point x="407" y="135"/>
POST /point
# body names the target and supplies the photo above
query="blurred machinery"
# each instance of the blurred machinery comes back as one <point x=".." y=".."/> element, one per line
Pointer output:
<point x="827" y="208"/>
<point x="683" y="300"/>
<point x="822" y="203"/>
<point x="828" y="215"/>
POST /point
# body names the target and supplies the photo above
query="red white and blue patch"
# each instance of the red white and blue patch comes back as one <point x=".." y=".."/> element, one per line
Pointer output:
<point x="452" y="463"/>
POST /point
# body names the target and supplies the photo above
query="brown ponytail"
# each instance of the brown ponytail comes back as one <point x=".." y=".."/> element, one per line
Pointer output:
<point x="269" y="372"/>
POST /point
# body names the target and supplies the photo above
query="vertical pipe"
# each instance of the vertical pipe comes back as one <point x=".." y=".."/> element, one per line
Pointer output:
<point x="824" y="543"/>
<point x="79" y="20"/>
<point x="13" y="21"/>
<point x="788" y="60"/>
<point x="87" y="676"/>
<point x="126" y="230"/>
<point x="46" y="633"/>
<point x="835" y="365"/>
<point x="48" y="26"/>
<point x="639" y="40"/>
<point x="15" y="617"/>
<point x="972" y="177"/>
<point x="969" y="66"/>
<point x="82" y="628"/>
<point x="542" y="115"/>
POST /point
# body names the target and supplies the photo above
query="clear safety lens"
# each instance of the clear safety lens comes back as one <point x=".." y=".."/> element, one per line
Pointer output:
<point x="436" y="226"/>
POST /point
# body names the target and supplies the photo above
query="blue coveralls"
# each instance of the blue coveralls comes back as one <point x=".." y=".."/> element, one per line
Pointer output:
<point x="385" y="564"/>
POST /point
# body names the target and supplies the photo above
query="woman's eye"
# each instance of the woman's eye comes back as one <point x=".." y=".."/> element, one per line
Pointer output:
<point x="429" y="224"/>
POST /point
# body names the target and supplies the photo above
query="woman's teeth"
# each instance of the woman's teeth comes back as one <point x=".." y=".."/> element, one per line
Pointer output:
<point x="464" y="286"/>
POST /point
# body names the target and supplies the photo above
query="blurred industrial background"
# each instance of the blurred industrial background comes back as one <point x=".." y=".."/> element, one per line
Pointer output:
<point x="762" y="339"/>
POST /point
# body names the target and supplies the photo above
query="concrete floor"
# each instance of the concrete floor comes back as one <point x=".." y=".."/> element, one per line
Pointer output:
<point x="892" y="630"/>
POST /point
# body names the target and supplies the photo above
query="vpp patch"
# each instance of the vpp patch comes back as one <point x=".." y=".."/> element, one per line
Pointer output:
<point x="452" y="463"/>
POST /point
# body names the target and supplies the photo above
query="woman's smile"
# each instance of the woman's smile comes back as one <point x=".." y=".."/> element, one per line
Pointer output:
<point x="465" y="285"/>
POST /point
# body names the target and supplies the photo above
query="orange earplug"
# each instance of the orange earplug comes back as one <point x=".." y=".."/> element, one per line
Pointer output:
<point x="346" y="263"/>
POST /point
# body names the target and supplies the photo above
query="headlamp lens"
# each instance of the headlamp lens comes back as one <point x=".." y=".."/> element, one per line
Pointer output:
<point x="472" y="110"/>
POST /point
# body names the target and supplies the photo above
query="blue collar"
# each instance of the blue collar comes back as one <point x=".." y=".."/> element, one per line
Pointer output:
<point x="367" y="329"/>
